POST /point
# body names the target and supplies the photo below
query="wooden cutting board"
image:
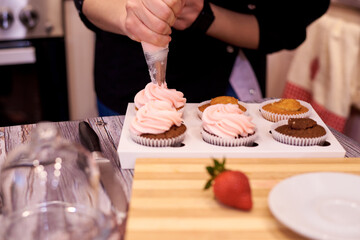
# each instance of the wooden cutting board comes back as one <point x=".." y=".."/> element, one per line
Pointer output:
<point x="168" y="200"/>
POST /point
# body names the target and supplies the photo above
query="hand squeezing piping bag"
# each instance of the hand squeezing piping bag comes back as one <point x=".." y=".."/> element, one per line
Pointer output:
<point x="156" y="59"/>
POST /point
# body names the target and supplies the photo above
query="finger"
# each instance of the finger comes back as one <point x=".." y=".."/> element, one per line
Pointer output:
<point x="160" y="10"/>
<point x="148" y="19"/>
<point x="180" y="24"/>
<point x="139" y="32"/>
<point x="154" y="24"/>
<point x="175" y="5"/>
<point x="187" y="17"/>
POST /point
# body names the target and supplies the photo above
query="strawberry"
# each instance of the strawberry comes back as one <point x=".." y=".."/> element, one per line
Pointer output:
<point x="230" y="187"/>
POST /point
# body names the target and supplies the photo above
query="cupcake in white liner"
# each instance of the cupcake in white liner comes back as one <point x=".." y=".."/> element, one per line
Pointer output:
<point x="153" y="91"/>
<point x="150" y="142"/>
<point x="224" y="142"/>
<point x="157" y="124"/>
<point x="299" y="132"/>
<point x="282" y="109"/>
<point x="226" y="125"/>
<point x="203" y="105"/>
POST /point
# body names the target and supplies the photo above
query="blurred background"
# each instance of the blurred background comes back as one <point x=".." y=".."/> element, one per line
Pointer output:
<point x="47" y="54"/>
<point x="333" y="42"/>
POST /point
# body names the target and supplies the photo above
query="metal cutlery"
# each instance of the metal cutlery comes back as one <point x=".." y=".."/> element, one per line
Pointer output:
<point x="109" y="180"/>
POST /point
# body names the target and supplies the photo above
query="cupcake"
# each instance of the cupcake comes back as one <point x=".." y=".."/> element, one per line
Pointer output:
<point x="225" y="125"/>
<point x="220" y="100"/>
<point x="299" y="132"/>
<point x="283" y="109"/>
<point x="155" y="92"/>
<point x="157" y="124"/>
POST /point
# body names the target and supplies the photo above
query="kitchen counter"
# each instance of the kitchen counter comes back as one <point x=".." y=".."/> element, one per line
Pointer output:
<point x="109" y="131"/>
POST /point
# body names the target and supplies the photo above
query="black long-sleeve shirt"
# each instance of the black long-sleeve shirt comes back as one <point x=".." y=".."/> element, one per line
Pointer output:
<point x="199" y="65"/>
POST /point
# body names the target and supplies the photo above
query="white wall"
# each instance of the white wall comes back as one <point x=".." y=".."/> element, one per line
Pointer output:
<point x="277" y="68"/>
<point x="80" y="57"/>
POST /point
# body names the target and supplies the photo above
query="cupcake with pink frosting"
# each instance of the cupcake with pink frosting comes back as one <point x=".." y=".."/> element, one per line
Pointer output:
<point x="157" y="124"/>
<point x="226" y="125"/>
<point x="155" y="92"/>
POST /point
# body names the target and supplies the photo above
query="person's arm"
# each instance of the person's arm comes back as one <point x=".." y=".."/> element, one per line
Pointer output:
<point x="87" y="23"/>
<point x="234" y="28"/>
<point x="272" y="26"/>
<point x="228" y="26"/>
<point x="107" y="15"/>
<point x="141" y="20"/>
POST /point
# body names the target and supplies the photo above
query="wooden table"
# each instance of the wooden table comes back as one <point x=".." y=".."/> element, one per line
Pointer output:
<point x="168" y="200"/>
<point x="109" y="131"/>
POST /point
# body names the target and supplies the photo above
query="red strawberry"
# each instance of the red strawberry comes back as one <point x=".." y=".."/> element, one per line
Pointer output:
<point x="231" y="188"/>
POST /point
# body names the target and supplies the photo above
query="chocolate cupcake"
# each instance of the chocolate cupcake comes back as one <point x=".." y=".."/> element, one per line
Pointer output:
<point x="173" y="132"/>
<point x="283" y="109"/>
<point x="220" y="100"/>
<point x="299" y="132"/>
<point x="226" y="125"/>
<point x="157" y="124"/>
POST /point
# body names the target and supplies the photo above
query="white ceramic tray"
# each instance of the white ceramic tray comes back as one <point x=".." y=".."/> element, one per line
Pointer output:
<point x="195" y="147"/>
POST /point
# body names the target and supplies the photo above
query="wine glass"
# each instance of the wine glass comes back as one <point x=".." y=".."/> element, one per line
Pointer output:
<point x="50" y="190"/>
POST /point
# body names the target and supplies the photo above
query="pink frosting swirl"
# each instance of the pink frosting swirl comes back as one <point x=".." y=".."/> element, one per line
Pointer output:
<point x="155" y="92"/>
<point x="155" y="117"/>
<point x="227" y="121"/>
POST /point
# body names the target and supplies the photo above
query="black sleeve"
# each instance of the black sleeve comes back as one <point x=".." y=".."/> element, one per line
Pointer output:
<point x="88" y="24"/>
<point x="283" y="23"/>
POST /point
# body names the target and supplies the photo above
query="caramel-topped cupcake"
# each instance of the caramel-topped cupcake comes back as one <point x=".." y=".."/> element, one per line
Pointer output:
<point x="220" y="100"/>
<point x="157" y="124"/>
<point x="283" y="109"/>
<point x="155" y="92"/>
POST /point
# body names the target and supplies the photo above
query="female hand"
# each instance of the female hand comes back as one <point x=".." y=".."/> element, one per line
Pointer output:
<point x="189" y="13"/>
<point x="151" y="20"/>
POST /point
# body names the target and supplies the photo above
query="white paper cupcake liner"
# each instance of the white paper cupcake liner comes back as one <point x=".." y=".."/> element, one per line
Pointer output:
<point x="224" y="142"/>
<point x="296" y="141"/>
<point x="150" y="142"/>
<point x="208" y="101"/>
<point x="275" y="117"/>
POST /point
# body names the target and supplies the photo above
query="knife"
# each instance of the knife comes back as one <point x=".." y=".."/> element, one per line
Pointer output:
<point x="111" y="184"/>
<point x="156" y="59"/>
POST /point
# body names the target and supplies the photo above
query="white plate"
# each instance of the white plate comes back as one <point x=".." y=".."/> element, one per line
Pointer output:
<point x="319" y="205"/>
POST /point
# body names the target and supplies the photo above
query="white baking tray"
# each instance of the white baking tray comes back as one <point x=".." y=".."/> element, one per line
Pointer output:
<point x="195" y="147"/>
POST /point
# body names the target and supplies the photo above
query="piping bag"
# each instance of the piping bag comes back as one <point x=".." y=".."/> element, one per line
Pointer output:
<point x="156" y="59"/>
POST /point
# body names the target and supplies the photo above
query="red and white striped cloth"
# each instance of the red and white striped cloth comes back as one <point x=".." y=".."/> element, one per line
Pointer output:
<point x="325" y="70"/>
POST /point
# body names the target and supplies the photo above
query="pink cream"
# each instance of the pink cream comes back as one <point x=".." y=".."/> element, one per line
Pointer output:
<point x="227" y="121"/>
<point x="155" y="117"/>
<point x="155" y="92"/>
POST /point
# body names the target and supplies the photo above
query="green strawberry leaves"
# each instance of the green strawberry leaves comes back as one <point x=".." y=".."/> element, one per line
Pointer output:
<point x="214" y="171"/>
